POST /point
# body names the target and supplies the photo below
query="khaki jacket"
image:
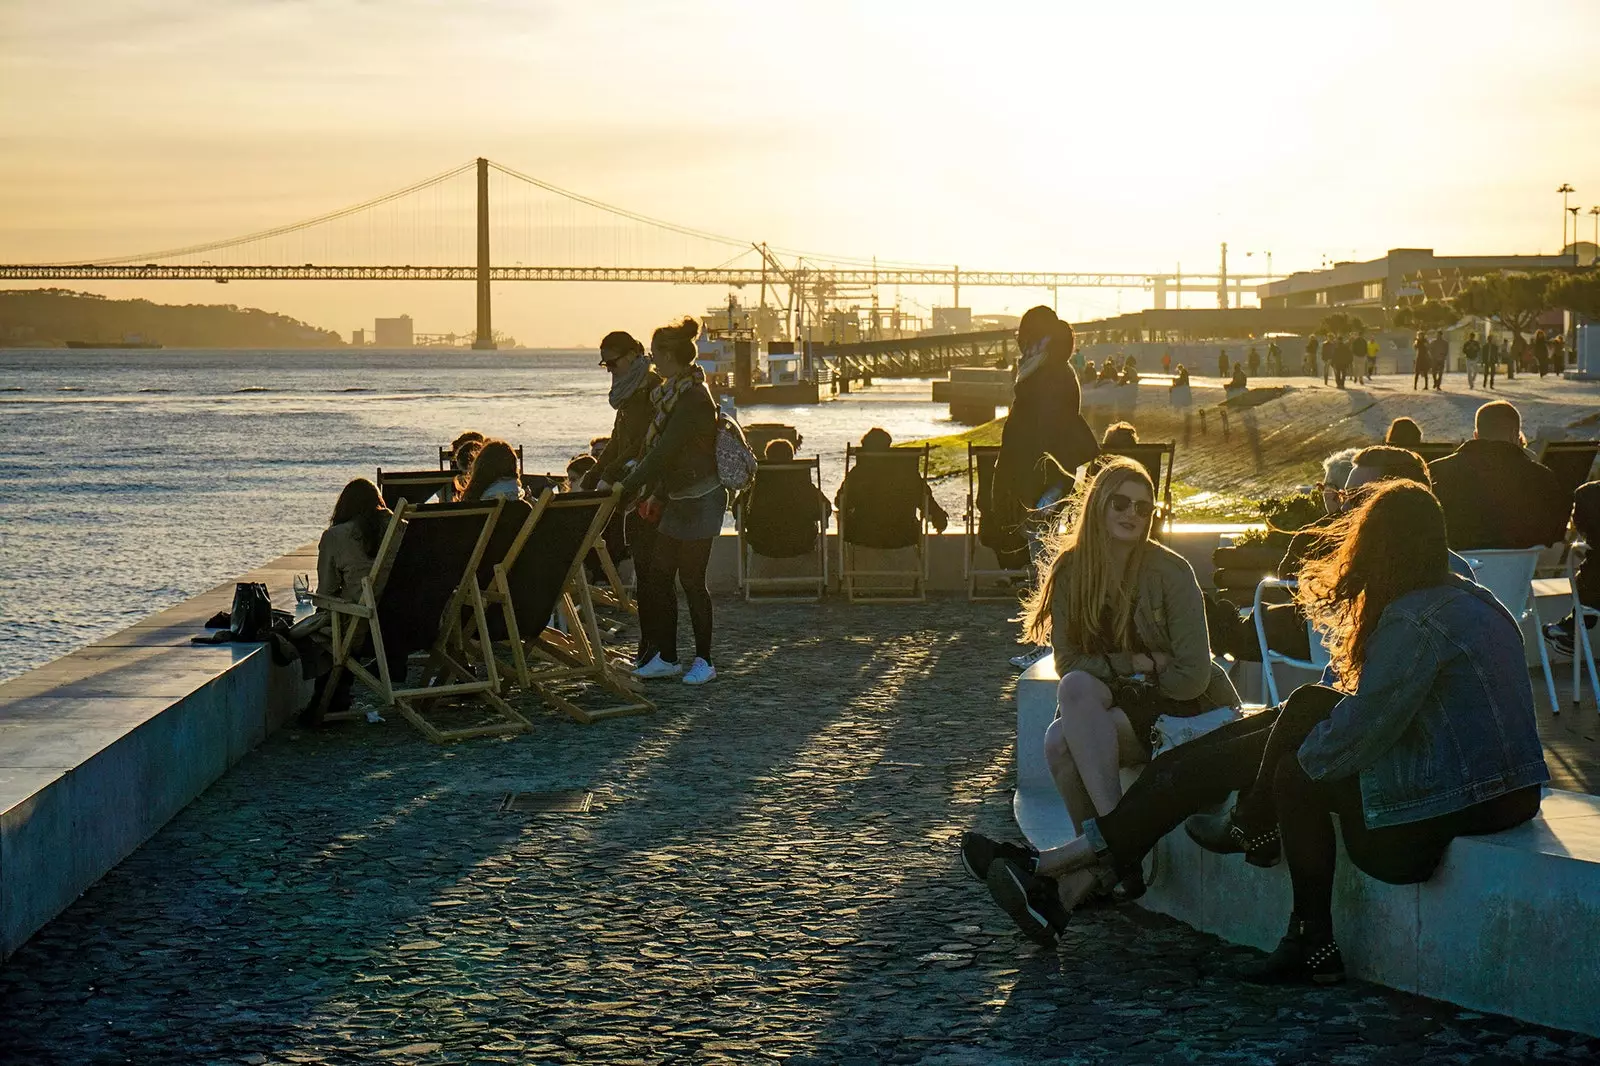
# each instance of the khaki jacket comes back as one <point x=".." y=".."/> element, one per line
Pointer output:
<point x="341" y="562"/>
<point x="1170" y="617"/>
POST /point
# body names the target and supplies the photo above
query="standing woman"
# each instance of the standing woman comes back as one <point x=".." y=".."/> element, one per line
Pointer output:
<point x="1128" y="625"/>
<point x="677" y="473"/>
<point x="1045" y="436"/>
<point x="632" y="382"/>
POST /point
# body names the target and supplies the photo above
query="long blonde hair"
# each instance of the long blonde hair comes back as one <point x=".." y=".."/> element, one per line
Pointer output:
<point x="1095" y="586"/>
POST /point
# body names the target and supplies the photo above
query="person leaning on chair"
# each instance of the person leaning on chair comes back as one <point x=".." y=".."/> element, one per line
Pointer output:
<point x="1045" y="420"/>
<point x="1494" y="494"/>
<point x="882" y="507"/>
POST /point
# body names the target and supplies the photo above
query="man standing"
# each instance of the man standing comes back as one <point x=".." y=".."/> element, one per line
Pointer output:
<point x="1419" y="364"/>
<point x="1438" y="358"/>
<point x="1309" y="368"/>
<point x="1274" y="358"/>
<point x="1493" y="494"/>
<point x="1491" y="358"/>
<point x="1471" y="352"/>
<point x="1340" y="358"/>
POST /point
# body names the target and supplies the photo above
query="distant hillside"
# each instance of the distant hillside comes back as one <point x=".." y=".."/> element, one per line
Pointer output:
<point x="51" y="317"/>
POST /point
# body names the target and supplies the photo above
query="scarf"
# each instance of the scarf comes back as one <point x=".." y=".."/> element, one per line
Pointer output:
<point x="1033" y="358"/>
<point x="625" y="384"/>
<point x="664" y="397"/>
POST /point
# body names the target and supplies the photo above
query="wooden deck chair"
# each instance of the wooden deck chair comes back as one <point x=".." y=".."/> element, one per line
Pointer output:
<point x="1431" y="450"/>
<point x="412" y="486"/>
<point x="1570" y="460"/>
<point x="1151" y="456"/>
<point x="541" y="574"/>
<point x="881" y="508"/>
<point x="759" y="434"/>
<point x="985" y="582"/>
<point x="774" y="524"/>
<point x="423" y="577"/>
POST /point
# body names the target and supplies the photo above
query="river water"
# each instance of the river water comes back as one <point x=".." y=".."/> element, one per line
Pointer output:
<point x="131" y="480"/>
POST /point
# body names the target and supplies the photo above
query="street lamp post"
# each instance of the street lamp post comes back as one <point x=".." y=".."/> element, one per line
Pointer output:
<point x="1565" y="190"/>
<point x="1594" y="256"/>
<point x="1574" y="211"/>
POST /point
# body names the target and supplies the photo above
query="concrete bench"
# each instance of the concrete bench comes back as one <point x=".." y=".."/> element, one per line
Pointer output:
<point x="1510" y="923"/>
<point x="100" y="748"/>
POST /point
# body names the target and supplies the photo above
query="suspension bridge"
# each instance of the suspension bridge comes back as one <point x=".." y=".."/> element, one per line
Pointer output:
<point x="444" y="227"/>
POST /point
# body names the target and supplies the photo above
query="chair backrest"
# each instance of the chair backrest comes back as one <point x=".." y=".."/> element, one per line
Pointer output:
<point x="548" y="551"/>
<point x="1570" y="460"/>
<point x="759" y="434"/>
<point x="535" y="484"/>
<point x="980" y="475"/>
<point x="1150" y="455"/>
<point x="1429" y="450"/>
<point x="781" y="513"/>
<point x="882" y="492"/>
<point x="412" y="486"/>
<point x="1506" y="572"/>
<point x="440" y="547"/>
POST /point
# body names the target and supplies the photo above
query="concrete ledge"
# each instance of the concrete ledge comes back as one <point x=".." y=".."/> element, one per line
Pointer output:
<point x="101" y="748"/>
<point x="1510" y="923"/>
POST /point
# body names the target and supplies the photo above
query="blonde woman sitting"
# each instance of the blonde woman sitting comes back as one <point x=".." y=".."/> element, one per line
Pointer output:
<point x="1128" y="628"/>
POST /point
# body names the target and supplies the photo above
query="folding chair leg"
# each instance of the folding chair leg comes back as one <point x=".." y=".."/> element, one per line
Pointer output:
<point x="1588" y="652"/>
<point x="1544" y="662"/>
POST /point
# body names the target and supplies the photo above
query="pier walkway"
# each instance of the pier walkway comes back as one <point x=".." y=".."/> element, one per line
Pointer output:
<point x="766" y="873"/>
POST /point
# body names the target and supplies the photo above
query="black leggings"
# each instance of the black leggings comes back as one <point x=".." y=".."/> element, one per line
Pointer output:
<point x="1402" y="854"/>
<point x="1202" y="772"/>
<point x="684" y="561"/>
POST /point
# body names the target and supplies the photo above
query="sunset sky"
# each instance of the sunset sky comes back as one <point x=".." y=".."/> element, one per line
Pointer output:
<point x="1062" y="136"/>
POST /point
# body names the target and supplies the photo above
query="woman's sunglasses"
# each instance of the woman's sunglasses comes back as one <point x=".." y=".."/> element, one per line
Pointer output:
<point x="1141" y="508"/>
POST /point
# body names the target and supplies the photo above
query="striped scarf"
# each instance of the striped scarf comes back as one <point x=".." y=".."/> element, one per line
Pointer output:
<point x="664" y="397"/>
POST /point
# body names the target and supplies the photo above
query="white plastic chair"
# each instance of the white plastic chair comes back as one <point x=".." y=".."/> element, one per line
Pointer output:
<point x="1508" y="573"/>
<point x="1269" y="658"/>
<point x="1583" y="651"/>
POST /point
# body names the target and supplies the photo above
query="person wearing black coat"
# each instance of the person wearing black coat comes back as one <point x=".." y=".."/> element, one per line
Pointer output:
<point x="1045" y="437"/>
<point x="1494" y="494"/>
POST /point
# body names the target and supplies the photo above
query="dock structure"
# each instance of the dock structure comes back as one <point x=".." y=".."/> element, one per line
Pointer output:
<point x="914" y="357"/>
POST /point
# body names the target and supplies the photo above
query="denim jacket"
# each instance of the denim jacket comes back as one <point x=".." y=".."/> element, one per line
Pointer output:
<point x="1443" y="715"/>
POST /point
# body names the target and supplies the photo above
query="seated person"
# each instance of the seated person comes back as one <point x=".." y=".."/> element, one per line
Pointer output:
<point x="1130" y="371"/>
<point x="1089" y="375"/>
<point x="344" y="558"/>
<point x="1118" y="435"/>
<point x="783" y="511"/>
<point x="495" y="474"/>
<point x="1108" y="370"/>
<point x="578" y="468"/>
<point x="597" y="446"/>
<point x="1493" y="494"/>
<point x="1181" y="377"/>
<point x="463" y="450"/>
<point x="1204" y="771"/>
<point x="1128" y="626"/>
<point x="1237" y="383"/>
<point x="1586" y="519"/>
<point x="1403" y="433"/>
<point x="881" y="506"/>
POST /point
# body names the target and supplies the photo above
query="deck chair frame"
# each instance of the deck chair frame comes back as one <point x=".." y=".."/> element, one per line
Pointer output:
<point x="446" y="674"/>
<point x="1432" y="450"/>
<point x="1165" y="456"/>
<point x="415" y="480"/>
<point x="1558" y="448"/>
<point x="447" y="453"/>
<point x="975" y="574"/>
<point x="542" y="659"/>
<point x="817" y="583"/>
<point x="849" y="573"/>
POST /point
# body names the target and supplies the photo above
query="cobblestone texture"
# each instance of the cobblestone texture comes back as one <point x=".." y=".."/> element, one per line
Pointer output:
<point x="767" y="874"/>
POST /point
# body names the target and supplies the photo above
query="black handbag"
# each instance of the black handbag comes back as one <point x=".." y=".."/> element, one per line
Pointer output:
<point x="251" y="618"/>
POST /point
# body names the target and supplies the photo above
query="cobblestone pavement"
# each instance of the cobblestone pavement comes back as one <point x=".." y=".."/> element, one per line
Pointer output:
<point x="767" y="874"/>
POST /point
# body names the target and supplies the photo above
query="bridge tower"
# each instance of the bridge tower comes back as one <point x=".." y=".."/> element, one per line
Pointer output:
<point x="485" y="337"/>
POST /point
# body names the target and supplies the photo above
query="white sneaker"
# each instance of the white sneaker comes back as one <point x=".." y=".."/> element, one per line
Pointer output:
<point x="1028" y="658"/>
<point x="700" y="672"/>
<point x="657" y="667"/>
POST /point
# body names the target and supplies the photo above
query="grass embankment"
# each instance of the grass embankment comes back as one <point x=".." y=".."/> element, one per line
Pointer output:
<point x="947" y="458"/>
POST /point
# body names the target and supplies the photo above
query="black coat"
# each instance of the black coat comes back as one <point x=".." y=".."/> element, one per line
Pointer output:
<point x="1495" y="496"/>
<point x="1046" y="419"/>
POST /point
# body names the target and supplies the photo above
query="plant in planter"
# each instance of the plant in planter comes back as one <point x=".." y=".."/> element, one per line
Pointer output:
<point x="1257" y="552"/>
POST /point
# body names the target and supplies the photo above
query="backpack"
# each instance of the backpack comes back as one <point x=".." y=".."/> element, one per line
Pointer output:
<point x="736" y="463"/>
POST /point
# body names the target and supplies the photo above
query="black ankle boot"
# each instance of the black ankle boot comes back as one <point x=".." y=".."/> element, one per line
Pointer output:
<point x="1227" y="834"/>
<point x="1302" y="955"/>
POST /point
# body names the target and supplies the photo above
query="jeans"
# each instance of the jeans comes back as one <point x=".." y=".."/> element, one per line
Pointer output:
<point x="674" y="562"/>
